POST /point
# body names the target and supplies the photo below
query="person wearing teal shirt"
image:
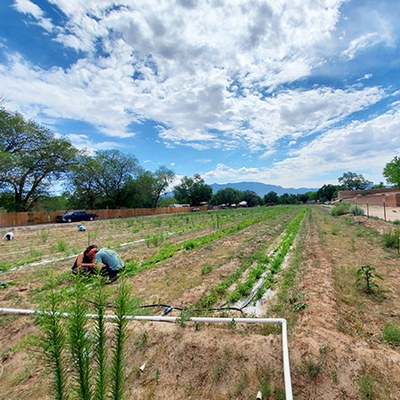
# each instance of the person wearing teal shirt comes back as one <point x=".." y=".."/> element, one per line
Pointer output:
<point x="113" y="264"/>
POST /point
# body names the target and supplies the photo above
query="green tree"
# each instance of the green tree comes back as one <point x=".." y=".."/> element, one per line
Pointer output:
<point x="192" y="191"/>
<point x="252" y="198"/>
<point x="31" y="159"/>
<point x="392" y="171"/>
<point x="163" y="177"/>
<point x="227" y="196"/>
<point x="99" y="181"/>
<point x="352" y="181"/>
<point x="271" y="198"/>
<point x="380" y="185"/>
<point x="114" y="168"/>
<point x="327" y="192"/>
<point x="84" y="190"/>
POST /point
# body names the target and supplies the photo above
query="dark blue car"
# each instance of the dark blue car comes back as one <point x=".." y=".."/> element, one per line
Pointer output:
<point x="76" y="216"/>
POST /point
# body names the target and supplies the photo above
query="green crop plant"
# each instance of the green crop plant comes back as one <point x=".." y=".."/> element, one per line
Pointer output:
<point x="53" y="342"/>
<point x="169" y="250"/>
<point x="391" y="334"/>
<point x="367" y="274"/>
<point x="280" y="253"/>
<point x="81" y="356"/>
<point x="154" y="240"/>
<point x="79" y="341"/>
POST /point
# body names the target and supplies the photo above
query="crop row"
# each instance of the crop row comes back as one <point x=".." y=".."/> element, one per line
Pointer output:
<point x="133" y="267"/>
<point x="262" y="262"/>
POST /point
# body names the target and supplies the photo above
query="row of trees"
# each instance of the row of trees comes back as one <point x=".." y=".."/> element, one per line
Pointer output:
<point x="33" y="160"/>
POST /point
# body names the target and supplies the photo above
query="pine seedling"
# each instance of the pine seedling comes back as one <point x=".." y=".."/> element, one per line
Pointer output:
<point x="100" y="353"/>
<point x="79" y="341"/>
<point x="123" y="307"/>
<point x="53" y="342"/>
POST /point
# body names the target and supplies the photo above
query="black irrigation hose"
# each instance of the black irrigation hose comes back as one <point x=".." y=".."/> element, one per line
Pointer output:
<point x="168" y="306"/>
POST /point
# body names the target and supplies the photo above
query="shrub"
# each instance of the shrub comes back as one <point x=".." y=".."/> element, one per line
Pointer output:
<point x="340" y="209"/>
<point x="356" y="210"/>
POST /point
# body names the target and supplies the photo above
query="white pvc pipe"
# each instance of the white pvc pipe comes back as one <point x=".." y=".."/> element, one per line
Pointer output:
<point x="282" y="321"/>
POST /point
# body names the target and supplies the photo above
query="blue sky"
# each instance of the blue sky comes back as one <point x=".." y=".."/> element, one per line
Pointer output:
<point x="288" y="92"/>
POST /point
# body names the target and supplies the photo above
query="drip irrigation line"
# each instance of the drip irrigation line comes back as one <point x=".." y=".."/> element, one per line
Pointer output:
<point x="222" y="308"/>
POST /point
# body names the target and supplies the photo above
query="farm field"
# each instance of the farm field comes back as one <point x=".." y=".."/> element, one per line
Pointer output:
<point x="203" y="263"/>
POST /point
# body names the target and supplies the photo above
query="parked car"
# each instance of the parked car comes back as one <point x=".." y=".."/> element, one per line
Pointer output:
<point x="75" y="216"/>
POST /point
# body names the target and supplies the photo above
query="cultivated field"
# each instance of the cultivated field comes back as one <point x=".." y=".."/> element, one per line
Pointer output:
<point x="291" y="261"/>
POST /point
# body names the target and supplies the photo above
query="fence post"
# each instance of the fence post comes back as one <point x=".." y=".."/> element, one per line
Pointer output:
<point x="384" y="209"/>
<point x="367" y="210"/>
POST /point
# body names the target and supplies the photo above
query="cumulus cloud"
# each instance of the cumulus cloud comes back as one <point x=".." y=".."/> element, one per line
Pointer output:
<point x="211" y="74"/>
<point x="359" y="146"/>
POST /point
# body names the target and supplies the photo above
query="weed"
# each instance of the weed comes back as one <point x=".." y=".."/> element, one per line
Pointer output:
<point x="44" y="235"/>
<point x="241" y="386"/>
<point x="391" y="334"/>
<point x="61" y="246"/>
<point x="280" y="394"/>
<point x="366" y="387"/>
<point x="300" y="306"/>
<point x="206" y="269"/>
<point x="391" y="239"/>
<point x="335" y="230"/>
<point x="313" y="367"/>
<point x="265" y="388"/>
<point x="157" y="375"/>
<point x="367" y="273"/>
<point x="218" y="370"/>
<point x="141" y="340"/>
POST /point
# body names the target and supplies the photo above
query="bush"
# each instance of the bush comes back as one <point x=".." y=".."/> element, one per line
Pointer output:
<point x="356" y="210"/>
<point x="340" y="209"/>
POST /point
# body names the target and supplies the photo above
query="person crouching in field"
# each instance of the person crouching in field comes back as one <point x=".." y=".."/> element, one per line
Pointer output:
<point x="84" y="263"/>
<point x="112" y="263"/>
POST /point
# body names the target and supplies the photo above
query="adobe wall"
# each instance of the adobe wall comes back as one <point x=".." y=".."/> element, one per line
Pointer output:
<point x="390" y="200"/>
<point x="342" y="194"/>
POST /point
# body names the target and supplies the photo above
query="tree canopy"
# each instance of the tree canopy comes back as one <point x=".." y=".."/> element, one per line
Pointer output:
<point x="352" y="181"/>
<point x="31" y="159"/>
<point x="192" y="191"/>
<point x="392" y="171"/>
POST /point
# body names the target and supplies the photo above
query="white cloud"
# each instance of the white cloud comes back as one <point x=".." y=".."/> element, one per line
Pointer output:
<point x="363" y="42"/>
<point x="363" y="147"/>
<point x="83" y="142"/>
<point x="27" y="7"/>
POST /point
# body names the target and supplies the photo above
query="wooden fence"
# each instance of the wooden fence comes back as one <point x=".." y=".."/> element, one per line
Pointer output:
<point x="44" y="217"/>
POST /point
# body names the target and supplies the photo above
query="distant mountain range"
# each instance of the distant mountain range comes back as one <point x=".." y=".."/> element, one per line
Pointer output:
<point x="260" y="188"/>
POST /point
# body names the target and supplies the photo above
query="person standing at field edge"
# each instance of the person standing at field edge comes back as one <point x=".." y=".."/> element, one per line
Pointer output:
<point x="113" y="264"/>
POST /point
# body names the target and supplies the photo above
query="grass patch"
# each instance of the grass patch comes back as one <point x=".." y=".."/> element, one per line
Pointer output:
<point x="391" y="334"/>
